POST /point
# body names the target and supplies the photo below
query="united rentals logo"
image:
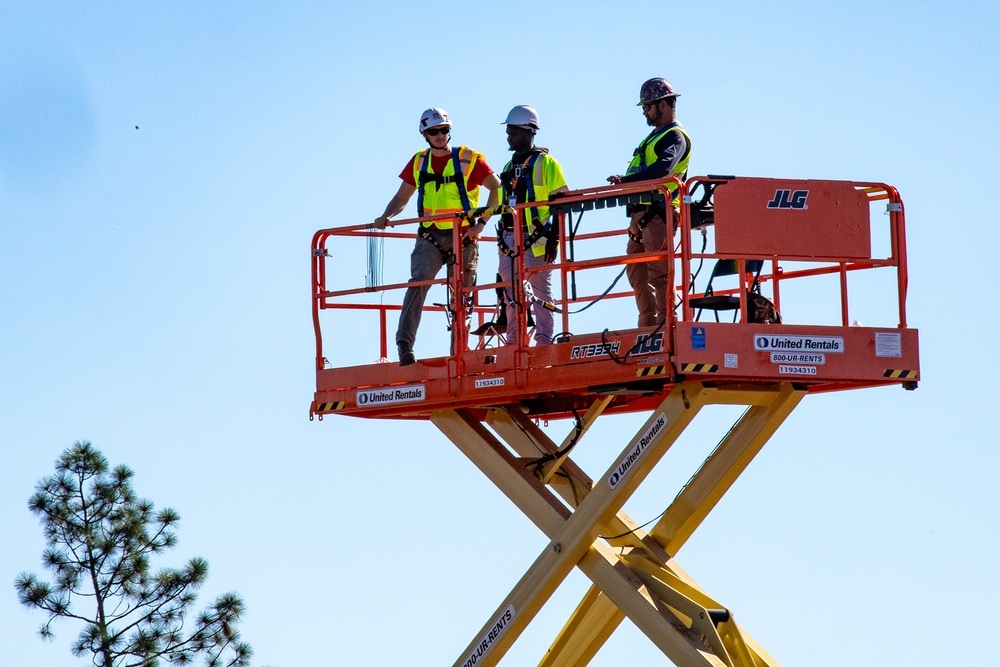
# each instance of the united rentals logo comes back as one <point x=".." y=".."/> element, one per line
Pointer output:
<point x="626" y="462"/>
<point x="374" y="397"/>
<point x="788" y="199"/>
<point x="828" y="344"/>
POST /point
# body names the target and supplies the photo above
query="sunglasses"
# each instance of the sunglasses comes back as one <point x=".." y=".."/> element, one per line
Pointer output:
<point x="650" y="105"/>
<point x="434" y="131"/>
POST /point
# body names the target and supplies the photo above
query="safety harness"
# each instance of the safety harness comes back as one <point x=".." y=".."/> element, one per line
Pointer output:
<point x="648" y="215"/>
<point x="525" y="169"/>
<point x="447" y="254"/>
<point x="654" y="207"/>
<point x="458" y="178"/>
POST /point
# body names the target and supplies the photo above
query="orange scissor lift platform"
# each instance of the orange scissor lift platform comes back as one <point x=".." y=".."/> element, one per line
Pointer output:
<point x="822" y="227"/>
<point x="799" y="243"/>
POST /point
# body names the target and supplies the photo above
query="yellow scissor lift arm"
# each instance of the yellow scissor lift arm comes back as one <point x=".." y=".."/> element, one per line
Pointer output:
<point x="634" y="574"/>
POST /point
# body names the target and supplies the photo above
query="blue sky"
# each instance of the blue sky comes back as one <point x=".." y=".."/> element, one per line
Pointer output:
<point x="164" y="165"/>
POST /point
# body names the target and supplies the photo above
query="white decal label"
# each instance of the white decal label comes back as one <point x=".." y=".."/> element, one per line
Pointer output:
<point x="797" y="370"/>
<point x="486" y="641"/>
<point x="797" y="358"/>
<point x="389" y="395"/>
<point x="626" y="462"/>
<point x="731" y="360"/>
<point x="595" y="350"/>
<point x="489" y="382"/>
<point x="787" y="343"/>
<point x="888" y="344"/>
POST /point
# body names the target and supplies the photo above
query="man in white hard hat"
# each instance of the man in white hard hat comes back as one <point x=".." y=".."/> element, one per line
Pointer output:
<point x="532" y="175"/>
<point x="446" y="180"/>
<point x="662" y="154"/>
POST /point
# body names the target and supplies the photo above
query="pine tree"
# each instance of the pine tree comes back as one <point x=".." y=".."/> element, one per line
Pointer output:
<point x="100" y="538"/>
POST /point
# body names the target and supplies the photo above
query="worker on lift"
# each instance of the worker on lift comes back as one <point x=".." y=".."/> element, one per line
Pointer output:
<point x="532" y="175"/>
<point x="446" y="180"/>
<point x="663" y="153"/>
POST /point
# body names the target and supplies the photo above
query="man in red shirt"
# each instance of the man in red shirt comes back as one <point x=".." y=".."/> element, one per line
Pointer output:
<point x="447" y="181"/>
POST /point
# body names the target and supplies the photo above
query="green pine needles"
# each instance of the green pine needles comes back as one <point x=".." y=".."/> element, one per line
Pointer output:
<point x="100" y="538"/>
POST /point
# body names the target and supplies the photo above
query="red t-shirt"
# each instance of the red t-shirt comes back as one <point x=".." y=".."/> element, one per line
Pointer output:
<point x="480" y="170"/>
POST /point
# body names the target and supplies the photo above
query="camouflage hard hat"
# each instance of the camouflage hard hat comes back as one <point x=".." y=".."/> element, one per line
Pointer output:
<point x="655" y="89"/>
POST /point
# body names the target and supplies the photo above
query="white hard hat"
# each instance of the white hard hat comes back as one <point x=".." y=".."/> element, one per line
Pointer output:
<point x="433" y="117"/>
<point x="523" y="116"/>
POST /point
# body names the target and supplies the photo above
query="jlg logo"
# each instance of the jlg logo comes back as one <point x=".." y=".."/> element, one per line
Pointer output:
<point x="648" y="344"/>
<point x="789" y="199"/>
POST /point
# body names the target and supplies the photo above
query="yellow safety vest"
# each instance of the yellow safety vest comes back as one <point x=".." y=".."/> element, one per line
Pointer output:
<point x="444" y="193"/>
<point x="645" y="155"/>
<point x="538" y="190"/>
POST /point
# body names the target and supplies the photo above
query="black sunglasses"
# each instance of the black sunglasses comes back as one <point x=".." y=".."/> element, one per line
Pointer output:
<point x="434" y="131"/>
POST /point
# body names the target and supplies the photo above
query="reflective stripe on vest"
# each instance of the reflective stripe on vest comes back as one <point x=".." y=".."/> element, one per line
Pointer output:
<point x="645" y="155"/>
<point x="445" y="192"/>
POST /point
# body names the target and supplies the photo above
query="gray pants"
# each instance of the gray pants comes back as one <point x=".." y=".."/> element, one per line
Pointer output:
<point x="425" y="263"/>
<point x="541" y="286"/>
<point x="649" y="279"/>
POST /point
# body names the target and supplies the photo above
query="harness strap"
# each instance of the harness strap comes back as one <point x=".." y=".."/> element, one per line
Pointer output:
<point x="447" y="255"/>
<point x="458" y="178"/>
<point x="438" y="179"/>
<point x="525" y="169"/>
<point x="644" y="221"/>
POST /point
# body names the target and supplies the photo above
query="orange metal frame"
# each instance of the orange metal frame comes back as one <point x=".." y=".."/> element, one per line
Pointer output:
<point x="801" y="229"/>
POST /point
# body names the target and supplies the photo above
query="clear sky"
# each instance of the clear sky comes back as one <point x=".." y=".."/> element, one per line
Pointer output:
<point x="164" y="165"/>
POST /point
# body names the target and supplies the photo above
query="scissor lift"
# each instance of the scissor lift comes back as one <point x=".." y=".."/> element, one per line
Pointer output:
<point x="486" y="397"/>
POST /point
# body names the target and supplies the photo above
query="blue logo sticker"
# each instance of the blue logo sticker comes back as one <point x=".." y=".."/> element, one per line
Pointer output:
<point x="697" y="338"/>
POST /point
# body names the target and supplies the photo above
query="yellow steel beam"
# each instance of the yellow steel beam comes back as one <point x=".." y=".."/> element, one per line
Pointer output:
<point x="723" y="467"/>
<point x="574" y="539"/>
<point x="770" y="408"/>
<point x="552" y="467"/>
<point x="600" y="562"/>
<point x="647" y="585"/>
<point x="505" y="470"/>
<point x="580" y="641"/>
<point x="628" y="593"/>
<point x="590" y="631"/>
<point x="710" y="620"/>
<point x="572" y="483"/>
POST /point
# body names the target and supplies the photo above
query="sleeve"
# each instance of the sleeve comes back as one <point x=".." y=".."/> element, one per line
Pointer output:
<point x="553" y="174"/>
<point x="669" y="151"/>
<point x="407" y="174"/>
<point x="480" y="171"/>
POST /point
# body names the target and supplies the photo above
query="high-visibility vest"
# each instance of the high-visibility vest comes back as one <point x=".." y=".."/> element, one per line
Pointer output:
<point x="645" y="155"/>
<point x="534" y="171"/>
<point x="445" y="193"/>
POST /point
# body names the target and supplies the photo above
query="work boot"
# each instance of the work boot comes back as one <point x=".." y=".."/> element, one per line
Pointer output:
<point x="406" y="356"/>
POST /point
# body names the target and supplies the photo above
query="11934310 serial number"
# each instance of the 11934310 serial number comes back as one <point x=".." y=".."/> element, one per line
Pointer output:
<point x="797" y="370"/>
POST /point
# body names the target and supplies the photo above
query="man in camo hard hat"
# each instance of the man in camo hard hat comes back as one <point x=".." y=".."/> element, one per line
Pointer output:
<point x="532" y="175"/>
<point x="446" y="180"/>
<point x="662" y="154"/>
